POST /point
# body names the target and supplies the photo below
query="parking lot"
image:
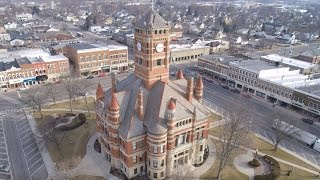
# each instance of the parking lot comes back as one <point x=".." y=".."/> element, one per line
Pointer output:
<point x="4" y="158"/>
<point x="26" y="160"/>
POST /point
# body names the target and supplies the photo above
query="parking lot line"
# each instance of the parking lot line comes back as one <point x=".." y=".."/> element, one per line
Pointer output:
<point x="35" y="163"/>
<point x="37" y="169"/>
<point x="24" y="125"/>
<point x="23" y="149"/>
<point x="31" y="150"/>
<point x="29" y="145"/>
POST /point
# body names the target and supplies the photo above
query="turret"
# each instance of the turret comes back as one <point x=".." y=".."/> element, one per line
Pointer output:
<point x="99" y="93"/>
<point x="114" y="109"/>
<point x="198" y="90"/>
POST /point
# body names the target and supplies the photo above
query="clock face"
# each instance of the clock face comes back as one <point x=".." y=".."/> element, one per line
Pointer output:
<point x="139" y="47"/>
<point x="159" y="47"/>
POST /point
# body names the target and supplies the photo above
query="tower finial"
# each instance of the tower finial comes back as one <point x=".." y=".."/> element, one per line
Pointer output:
<point x="152" y="4"/>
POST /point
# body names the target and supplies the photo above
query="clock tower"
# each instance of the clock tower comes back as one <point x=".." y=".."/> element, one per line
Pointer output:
<point x="152" y="49"/>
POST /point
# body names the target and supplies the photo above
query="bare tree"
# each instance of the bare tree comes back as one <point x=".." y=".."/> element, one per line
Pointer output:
<point x="48" y="133"/>
<point x="281" y="130"/>
<point x="70" y="85"/>
<point x="52" y="91"/>
<point x="232" y="135"/>
<point x="35" y="99"/>
<point x="180" y="171"/>
<point x="82" y="90"/>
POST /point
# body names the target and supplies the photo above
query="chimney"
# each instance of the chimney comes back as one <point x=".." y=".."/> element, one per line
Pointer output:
<point x="198" y="90"/>
<point x="189" y="92"/>
<point x="179" y="74"/>
<point x="139" y="106"/>
<point x="113" y="82"/>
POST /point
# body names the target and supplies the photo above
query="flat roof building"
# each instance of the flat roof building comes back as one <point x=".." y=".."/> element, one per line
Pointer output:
<point x="304" y="67"/>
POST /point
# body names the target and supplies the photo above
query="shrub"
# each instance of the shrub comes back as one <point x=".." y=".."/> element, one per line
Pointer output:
<point x="254" y="163"/>
<point x="82" y="117"/>
<point x="275" y="170"/>
<point x="76" y="122"/>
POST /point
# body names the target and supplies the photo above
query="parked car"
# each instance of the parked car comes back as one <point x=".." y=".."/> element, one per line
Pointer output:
<point x="246" y="95"/>
<point x="23" y="88"/>
<point x="210" y="81"/>
<point x="90" y="77"/>
<point x="173" y="74"/>
<point x="82" y="94"/>
<point x="235" y="91"/>
<point x="102" y="75"/>
<point x="308" y="121"/>
<point x="225" y="87"/>
<point x="4" y="89"/>
<point x="4" y="168"/>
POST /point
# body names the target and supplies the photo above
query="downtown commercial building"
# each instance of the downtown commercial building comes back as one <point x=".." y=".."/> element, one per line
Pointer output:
<point x="273" y="82"/>
<point x="31" y="66"/>
<point x="94" y="59"/>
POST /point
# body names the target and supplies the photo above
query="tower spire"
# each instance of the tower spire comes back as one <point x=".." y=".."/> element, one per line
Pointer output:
<point x="152" y="4"/>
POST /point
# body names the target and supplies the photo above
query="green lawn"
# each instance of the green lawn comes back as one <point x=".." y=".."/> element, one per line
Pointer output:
<point x="265" y="147"/>
<point x="78" y="104"/>
<point x="73" y="148"/>
<point x="230" y="172"/>
<point x="297" y="174"/>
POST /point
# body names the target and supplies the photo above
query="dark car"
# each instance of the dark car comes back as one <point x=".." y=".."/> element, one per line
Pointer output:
<point x="90" y="77"/>
<point x="210" y="81"/>
<point x="235" y="91"/>
<point x="225" y="87"/>
<point x="308" y="121"/>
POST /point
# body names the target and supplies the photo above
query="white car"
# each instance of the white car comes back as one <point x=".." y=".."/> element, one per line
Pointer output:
<point x="4" y="168"/>
<point x="23" y="88"/>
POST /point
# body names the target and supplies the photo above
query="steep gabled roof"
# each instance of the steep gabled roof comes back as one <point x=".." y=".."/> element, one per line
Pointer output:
<point x="152" y="19"/>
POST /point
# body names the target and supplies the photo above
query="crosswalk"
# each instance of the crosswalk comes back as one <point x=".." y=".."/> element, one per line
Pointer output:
<point x="13" y="111"/>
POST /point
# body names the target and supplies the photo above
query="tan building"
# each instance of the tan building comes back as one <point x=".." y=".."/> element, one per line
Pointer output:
<point x="311" y="56"/>
<point x="146" y="122"/>
<point x="187" y="53"/>
<point x="94" y="59"/>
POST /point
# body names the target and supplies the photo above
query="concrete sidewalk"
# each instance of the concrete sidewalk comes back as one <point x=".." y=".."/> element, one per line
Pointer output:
<point x="93" y="163"/>
<point x="241" y="163"/>
<point x="198" y="171"/>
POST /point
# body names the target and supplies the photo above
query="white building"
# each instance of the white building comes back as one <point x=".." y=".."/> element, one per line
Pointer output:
<point x="304" y="67"/>
<point x="10" y="25"/>
<point x="24" y="17"/>
<point x="275" y="83"/>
